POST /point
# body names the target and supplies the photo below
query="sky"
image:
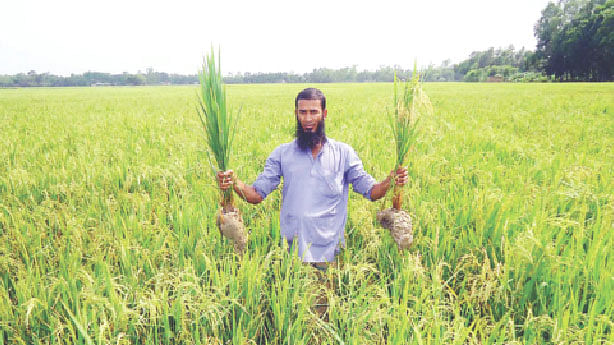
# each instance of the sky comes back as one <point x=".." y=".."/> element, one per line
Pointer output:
<point x="114" y="36"/>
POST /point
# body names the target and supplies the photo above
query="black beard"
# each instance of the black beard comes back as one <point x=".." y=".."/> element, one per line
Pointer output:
<point x="309" y="140"/>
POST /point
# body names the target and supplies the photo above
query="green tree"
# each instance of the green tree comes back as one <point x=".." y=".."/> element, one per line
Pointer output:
<point x="136" y="79"/>
<point x="575" y="39"/>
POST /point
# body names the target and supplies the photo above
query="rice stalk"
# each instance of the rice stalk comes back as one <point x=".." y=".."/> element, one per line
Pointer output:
<point x="219" y="123"/>
<point x="410" y="104"/>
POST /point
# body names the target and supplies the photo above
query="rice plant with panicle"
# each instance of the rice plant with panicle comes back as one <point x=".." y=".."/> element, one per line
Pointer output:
<point x="410" y="104"/>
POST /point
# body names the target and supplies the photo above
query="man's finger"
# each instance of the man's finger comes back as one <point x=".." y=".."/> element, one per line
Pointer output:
<point x="401" y="179"/>
<point x="225" y="179"/>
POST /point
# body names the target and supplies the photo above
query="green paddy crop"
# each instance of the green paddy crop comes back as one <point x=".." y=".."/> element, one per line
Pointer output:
<point x="108" y="208"/>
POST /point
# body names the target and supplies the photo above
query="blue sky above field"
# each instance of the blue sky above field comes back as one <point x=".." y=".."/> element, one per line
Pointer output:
<point x="67" y="36"/>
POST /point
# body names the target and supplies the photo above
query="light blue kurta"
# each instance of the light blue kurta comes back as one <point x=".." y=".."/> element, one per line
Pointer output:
<point x="315" y="194"/>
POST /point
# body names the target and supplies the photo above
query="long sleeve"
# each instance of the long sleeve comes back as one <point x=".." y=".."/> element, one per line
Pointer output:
<point x="361" y="181"/>
<point x="269" y="179"/>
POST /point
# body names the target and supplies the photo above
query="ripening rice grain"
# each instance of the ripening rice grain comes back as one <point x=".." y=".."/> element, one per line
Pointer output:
<point x="410" y="104"/>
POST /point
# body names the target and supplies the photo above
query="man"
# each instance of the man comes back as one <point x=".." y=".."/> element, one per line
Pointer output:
<point x="317" y="172"/>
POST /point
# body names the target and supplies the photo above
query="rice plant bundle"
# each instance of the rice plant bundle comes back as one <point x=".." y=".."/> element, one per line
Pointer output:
<point x="410" y="104"/>
<point x="219" y="125"/>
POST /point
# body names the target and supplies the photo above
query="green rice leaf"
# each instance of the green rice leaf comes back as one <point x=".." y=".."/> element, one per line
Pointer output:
<point x="218" y="122"/>
<point x="80" y="328"/>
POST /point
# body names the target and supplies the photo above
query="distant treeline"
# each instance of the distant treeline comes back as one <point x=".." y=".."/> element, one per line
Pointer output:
<point x="575" y="42"/>
<point x="492" y="64"/>
<point x="95" y="79"/>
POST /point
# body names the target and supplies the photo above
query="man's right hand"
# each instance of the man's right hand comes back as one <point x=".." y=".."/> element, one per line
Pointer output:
<point x="225" y="179"/>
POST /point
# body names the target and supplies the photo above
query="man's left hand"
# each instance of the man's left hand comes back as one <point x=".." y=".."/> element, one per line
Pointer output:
<point x="400" y="176"/>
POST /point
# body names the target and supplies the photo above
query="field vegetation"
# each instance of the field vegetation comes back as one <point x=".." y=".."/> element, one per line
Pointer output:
<point x="108" y="209"/>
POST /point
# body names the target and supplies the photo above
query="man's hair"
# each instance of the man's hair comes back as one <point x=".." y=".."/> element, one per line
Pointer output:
<point x="310" y="94"/>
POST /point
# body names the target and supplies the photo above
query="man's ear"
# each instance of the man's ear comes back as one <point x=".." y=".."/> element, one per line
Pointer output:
<point x="324" y="113"/>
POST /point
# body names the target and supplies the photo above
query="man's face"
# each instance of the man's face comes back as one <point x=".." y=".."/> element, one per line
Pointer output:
<point x="309" y="114"/>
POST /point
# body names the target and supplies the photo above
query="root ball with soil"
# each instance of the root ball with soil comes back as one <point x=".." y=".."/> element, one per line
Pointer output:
<point x="400" y="225"/>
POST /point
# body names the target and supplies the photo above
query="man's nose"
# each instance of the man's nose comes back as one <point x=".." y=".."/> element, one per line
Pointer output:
<point x="309" y="116"/>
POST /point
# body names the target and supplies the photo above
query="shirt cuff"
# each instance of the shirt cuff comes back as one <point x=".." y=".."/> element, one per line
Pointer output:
<point x="367" y="194"/>
<point x="260" y="191"/>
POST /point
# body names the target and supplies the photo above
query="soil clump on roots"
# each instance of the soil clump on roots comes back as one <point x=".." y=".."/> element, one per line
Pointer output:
<point x="400" y="226"/>
<point x="231" y="226"/>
